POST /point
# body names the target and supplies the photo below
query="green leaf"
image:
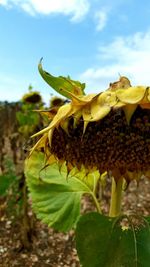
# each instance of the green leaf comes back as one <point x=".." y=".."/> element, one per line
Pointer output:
<point x="101" y="241"/>
<point x="63" y="85"/>
<point x="8" y="178"/>
<point x="55" y="198"/>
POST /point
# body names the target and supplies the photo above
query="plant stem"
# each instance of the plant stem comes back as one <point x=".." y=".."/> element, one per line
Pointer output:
<point x="96" y="203"/>
<point x="116" y="196"/>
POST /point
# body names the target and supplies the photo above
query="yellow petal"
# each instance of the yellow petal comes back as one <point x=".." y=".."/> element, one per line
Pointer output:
<point x="122" y="83"/>
<point x="76" y="118"/>
<point x="129" y="110"/>
<point x="51" y="160"/>
<point x="49" y="113"/>
<point x="131" y="95"/>
<point x="148" y="96"/>
<point x="107" y="98"/>
<point x="41" y="143"/>
<point x="119" y="104"/>
<point x="50" y="135"/>
<point x="64" y="125"/>
<point x="62" y="113"/>
<point x="45" y="130"/>
<point x="80" y="99"/>
<point x="98" y="111"/>
<point x="86" y="113"/>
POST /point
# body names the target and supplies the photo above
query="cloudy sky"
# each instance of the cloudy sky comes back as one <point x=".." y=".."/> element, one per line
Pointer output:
<point x="91" y="40"/>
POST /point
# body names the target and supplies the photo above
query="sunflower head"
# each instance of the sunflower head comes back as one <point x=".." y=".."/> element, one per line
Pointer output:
<point x="56" y="102"/>
<point x="108" y="131"/>
<point x="33" y="97"/>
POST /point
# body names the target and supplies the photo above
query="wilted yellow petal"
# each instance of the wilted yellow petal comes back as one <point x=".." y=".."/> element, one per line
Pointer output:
<point x="45" y="130"/>
<point x="129" y="110"/>
<point x="49" y="113"/>
<point x="39" y="144"/>
<point x="119" y="105"/>
<point x="86" y="113"/>
<point x="122" y="83"/>
<point x="82" y="100"/>
<point x="98" y="111"/>
<point x="76" y="118"/>
<point x="51" y="160"/>
<point x="148" y="95"/>
<point x="50" y="135"/>
<point x="131" y="95"/>
<point x="64" y="125"/>
<point x="107" y="98"/>
<point x="62" y="113"/>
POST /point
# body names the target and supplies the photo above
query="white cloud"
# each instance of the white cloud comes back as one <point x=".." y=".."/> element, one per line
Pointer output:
<point x="127" y="56"/>
<point x="77" y="9"/>
<point x="4" y="2"/>
<point x="101" y="19"/>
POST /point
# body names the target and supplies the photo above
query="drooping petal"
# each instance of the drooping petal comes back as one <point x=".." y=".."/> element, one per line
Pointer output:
<point x="51" y="160"/>
<point x="131" y="95"/>
<point x="81" y="100"/>
<point x="98" y="111"/>
<point x="49" y="113"/>
<point x="62" y="113"/>
<point x="86" y="113"/>
<point x="50" y="135"/>
<point x="45" y="130"/>
<point x="76" y="118"/>
<point x="107" y="98"/>
<point x="129" y="110"/>
<point x="122" y="83"/>
<point x="98" y="108"/>
<point x="119" y="104"/>
<point x="41" y="143"/>
<point x="148" y="95"/>
<point x="64" y="125"/>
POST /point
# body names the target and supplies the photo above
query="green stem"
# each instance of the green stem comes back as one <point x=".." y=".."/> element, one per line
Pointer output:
<point x="116" y="197"/>
<point x="96" y="203"/>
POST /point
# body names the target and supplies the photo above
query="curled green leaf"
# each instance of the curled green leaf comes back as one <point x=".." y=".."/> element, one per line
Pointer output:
<point x="63" y="85"/>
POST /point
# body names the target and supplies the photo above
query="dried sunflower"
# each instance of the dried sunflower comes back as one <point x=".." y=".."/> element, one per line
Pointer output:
<point x="108" y="131"/>
<point x="57" y="102"/>
<point x="32" y="97"/>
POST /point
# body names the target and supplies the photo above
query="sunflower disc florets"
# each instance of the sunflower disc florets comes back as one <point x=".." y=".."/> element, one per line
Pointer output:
<point x="108" y="131"/>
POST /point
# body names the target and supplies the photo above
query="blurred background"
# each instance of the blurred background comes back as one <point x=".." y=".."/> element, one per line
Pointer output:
<point x="91" y="40"/>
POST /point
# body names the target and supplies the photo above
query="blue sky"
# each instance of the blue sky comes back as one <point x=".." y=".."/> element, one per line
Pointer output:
<point x="92" y="41"/>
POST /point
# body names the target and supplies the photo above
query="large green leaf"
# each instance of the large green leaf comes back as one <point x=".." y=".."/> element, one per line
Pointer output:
<point x="63" y="85"/>
<point x="101" y="241"/>
<point x="55" y="197"/>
